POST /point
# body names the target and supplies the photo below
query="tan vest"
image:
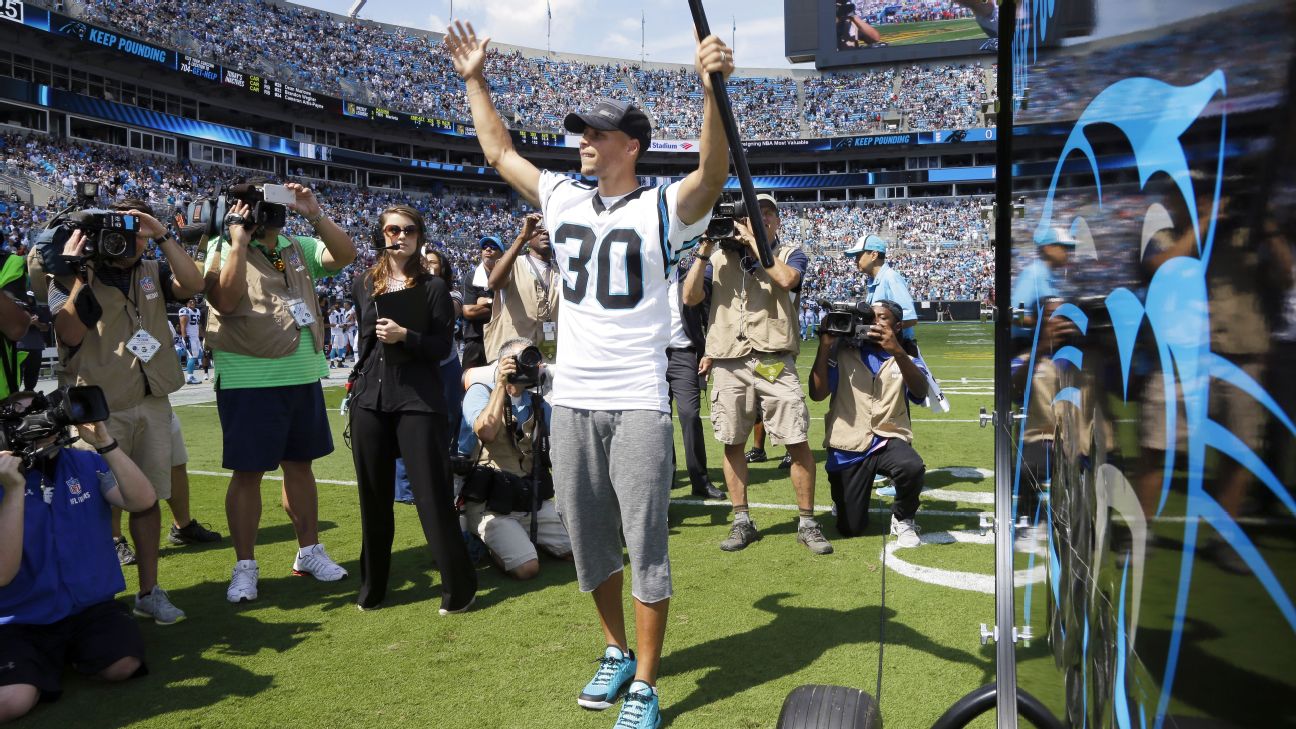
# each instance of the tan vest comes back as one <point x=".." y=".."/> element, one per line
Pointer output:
<point x="864" y="405"/>
<point x="261" y="324"/>
<point x="1041" y="418"/>
<point x="750" y="305"/>
<point x="103" y="360"/>
<point x="502" y="453"/>
<point x="526" y="306"/>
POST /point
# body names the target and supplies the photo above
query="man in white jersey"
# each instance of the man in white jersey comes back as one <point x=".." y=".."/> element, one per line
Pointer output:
<point x="615" y="245"/>
<point x="189" y="319"/>
<point x="337" y="336"/>
<point x="351" y="329"/>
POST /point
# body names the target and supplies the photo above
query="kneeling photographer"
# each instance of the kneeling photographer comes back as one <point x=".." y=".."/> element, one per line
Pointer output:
<point x="509" y="495"/>
<point x="110" y="314"/>
<point x="872" y="376"/>
<point x="58" y="568"/>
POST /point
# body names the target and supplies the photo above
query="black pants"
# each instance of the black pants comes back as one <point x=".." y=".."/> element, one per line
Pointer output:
<point x="422" y="441"/>
<point x="31" y="369"/>
<point x="474" y="353"/>
<point x="852" y="487"/>
<point x="686" y="392"/>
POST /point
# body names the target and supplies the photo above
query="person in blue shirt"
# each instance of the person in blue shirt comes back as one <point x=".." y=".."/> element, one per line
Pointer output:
<point x="884" y="283"/>
<point x="1038" y="282"/>
<point x="59" y="571"/>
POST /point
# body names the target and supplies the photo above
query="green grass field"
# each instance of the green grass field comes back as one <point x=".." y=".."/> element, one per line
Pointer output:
<point x="934" y="31"/>
<point x="745" y="628"/>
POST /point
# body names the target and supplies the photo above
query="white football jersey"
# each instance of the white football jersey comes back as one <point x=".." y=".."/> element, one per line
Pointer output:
<point x="191" y="330"/>
<point x="615" y="262"/>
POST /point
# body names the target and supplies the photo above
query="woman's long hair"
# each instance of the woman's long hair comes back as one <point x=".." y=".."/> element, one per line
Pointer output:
<point x="414" y="269"/>
<point x="447" y="270"/>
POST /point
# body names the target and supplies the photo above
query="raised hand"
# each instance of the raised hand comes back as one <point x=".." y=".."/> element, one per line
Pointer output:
<point x="712" y="56"/>
<point x="466" y="52"/>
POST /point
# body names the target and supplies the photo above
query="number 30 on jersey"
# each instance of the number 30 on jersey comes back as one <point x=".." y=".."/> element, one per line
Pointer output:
<point x="576" y="283"/>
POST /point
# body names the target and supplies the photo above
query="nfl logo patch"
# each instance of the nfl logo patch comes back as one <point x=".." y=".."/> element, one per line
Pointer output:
<point x="294" y="259"/>
<point x="146" y="283"/>
<point x="74" y="486"/>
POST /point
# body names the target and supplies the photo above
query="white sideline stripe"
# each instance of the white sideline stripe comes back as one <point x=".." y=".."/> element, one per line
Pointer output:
<point x="268" y="477"/>
<point x="967" y="581"/>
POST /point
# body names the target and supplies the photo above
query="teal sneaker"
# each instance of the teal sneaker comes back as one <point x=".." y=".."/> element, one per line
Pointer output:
<point x="640" y="710"/>
<point x="615" y="670"/>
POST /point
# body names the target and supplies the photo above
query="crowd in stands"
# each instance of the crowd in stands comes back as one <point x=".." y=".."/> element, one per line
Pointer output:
<point x="939" y="245"/>
<point x="405" y="70"/>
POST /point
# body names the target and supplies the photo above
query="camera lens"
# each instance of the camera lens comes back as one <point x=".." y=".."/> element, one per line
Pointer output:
<point x="112" y="243"/>
<point x="529" y="357"/>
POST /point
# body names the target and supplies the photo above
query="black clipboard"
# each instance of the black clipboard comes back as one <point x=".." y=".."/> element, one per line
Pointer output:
<point x="409" y="308"/>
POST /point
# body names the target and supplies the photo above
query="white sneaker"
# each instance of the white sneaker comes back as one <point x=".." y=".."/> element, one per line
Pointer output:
<point x="157" y="605"/>
<point x="243" y="584"/>
<point x="905" y="531"/>
<point x="314" y="561"/>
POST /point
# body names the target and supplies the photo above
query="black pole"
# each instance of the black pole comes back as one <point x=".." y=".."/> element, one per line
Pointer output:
<point x="735" y="144"/>
<point x="1005" y="641"/>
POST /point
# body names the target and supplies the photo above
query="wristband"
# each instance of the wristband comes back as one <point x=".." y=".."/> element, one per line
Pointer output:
<point x="315" y="221"/>
<point x="169" y="236"/>
<point x="707" y="257"/>
<point x="108" y="448"/>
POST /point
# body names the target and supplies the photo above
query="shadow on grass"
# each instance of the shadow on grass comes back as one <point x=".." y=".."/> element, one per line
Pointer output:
<point x="794" y="639"/>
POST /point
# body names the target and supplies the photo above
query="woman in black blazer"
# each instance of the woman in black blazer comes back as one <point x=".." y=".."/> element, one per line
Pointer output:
<point x="398" y="409"/>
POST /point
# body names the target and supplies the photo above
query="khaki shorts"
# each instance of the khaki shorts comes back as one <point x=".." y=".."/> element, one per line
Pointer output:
<point x="179" y="454"/>
<point x="739" y="395"/>
<point x="1241" y="414"/>
<point x="508" y="536"/>
<point x="144" y="434"/>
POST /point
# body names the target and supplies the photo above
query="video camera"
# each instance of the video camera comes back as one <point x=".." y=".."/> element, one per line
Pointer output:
<point x="850" y="321"/>
<point x="207" y="219"/>
<point x="21" y="428"/>
<point x="722" y="228"/>
<point x="528" y="367"/>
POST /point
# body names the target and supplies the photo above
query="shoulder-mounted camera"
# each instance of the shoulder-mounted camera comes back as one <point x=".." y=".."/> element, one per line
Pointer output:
<point x="208" y="218"/>
<point x="850" y="321"/>
<point x="25" y="427"/>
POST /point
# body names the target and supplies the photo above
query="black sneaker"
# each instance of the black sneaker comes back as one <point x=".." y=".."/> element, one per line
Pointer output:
<point x="741" y="534"/>
<point x="786" y="463"/>
<point x="124" y="553"/>
<point x="192" y="533"/>
<point x="756" y="455"/>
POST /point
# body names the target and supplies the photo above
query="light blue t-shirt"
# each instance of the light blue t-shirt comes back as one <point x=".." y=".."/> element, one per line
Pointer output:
<point x="1033" y="284"/>
<point x="476" y="400"/>
<point x="890" y="285"/>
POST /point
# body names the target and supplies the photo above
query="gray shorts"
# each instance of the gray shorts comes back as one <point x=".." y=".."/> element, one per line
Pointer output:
<point x="612" y="478"/>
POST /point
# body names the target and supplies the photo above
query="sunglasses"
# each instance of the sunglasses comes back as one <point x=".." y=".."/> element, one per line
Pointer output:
<point x="394" y="231"/>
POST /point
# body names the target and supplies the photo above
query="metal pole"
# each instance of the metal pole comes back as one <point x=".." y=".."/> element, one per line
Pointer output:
<point x="736" y="150"/>
<point x="1005" y="643"/>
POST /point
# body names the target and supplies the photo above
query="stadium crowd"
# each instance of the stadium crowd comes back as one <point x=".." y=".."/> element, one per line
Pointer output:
<point x="399" y="68"/>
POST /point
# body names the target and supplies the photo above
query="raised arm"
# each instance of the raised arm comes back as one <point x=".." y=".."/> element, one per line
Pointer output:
<point x="469" y="57"/>
<point x="339" y="249"/>
<point x="499" y="276"/>
<point x="226" y="280"/>
<point x="699" y="191"/>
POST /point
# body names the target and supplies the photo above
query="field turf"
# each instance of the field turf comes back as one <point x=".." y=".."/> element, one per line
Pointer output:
<point x="745" y="628"/>
<point x="933" y="31"/>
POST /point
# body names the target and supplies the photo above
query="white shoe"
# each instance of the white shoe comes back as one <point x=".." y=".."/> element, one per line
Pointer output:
<point x="314" y="561"/>
<point x="243" y="584"/>
<point x="191" y="381"/>
<point x="906" y="532"/>
<point x="157" y="605"/>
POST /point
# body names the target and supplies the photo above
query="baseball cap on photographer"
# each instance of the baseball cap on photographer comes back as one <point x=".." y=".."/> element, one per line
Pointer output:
<point x="490" y="241"/>
<point x="867" y="242"/>
<point x="612" y="115"/>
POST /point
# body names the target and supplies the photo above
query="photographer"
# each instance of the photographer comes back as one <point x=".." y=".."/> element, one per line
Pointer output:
<point x="498" y="504"/>
<point x="267" y="336"/>
<point x="57" y="603"/>
<point x="398" y="409"/>
<point x="752" y="341"/>
<point x="526" y="291"/>
<point x="112" y="327"/>
<point x="868" y="430"/>
<point x="14" y="320"/>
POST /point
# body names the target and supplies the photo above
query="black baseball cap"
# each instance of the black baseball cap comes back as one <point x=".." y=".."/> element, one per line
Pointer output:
<point x="611" y="115"/>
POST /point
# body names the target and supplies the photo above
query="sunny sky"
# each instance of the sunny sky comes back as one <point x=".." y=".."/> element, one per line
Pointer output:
<point x="599" y="27"/>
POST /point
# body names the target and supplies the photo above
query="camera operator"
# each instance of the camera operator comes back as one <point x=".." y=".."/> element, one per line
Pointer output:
<point x="267" y="336"/>
<point x="884" y="283"/>
<point x="504" y="418"/>
<point x="112" y="327"/>
<point x="526" y="291"/>
<point x="868" y="430"/>
<point x="14" y="320"/>
<point x="752" y="341"/>
<point x="55" y="602"/>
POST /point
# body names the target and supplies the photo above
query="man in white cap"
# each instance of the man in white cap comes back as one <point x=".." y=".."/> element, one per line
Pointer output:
<point x="884" y="283"/>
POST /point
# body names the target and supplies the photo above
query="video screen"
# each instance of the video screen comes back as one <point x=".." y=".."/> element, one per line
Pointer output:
<point x="853" y="32"/>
